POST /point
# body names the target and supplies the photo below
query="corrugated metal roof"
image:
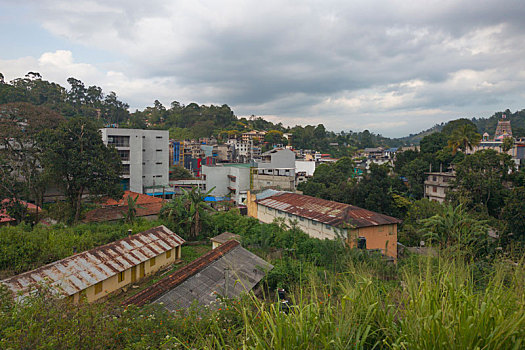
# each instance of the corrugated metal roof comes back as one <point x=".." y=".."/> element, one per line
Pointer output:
<point x="204" y="277"/>
<point x="114" y="213"/>
<point x="325" y="211"/>
<point x="225" y="237"/>
<point x="78" y="272"/>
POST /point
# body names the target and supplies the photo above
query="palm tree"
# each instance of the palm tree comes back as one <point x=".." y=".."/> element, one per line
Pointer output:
<point x="187" y="210"/>
<point x="457" y="230"/>
<point x="131" y="214"/>
<point x="464" y="137"/>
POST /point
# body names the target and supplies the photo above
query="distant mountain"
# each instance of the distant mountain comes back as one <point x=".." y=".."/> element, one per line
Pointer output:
<point x="517" y="121"/>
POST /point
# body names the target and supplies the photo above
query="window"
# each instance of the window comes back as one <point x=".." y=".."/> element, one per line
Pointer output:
<point x="159" y="137"/>
<point x="301" y="218"/>
<point x="289" y="215"/>
<point x="98" y="287"/>
<point x="118" y="141"/>
<point x="361" y="243"/>
<point x="390" y="229"/>
<point x="328" y="227"/>
<point x="434" y="178"/>
<point x="125" y="169"/>
<point x="152" y="262"/>
<point x="168" y="254"/>
<point x="159" y="163"/>
<point x="123" y="154"/>
<point x="159" y="150"/>
<point x="314" y="223"/>
<point x="434" y="189"/>
<point x="380" y="228"/>
<point x="121" y="276"/>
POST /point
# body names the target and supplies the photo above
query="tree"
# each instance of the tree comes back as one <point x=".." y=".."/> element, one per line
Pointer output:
<point x="513" y="213"/>
<point x="480" y="179"/>
<point x="79" y="161"/>
<point x="273" y="137"/>
<point x="456" y="230"/>
<point x="20" y="123"/>
<point x="131" y="213"/>
<point x="188" y="211"/>
<point x="464" y="137"/>
<point x="507" y="145"/>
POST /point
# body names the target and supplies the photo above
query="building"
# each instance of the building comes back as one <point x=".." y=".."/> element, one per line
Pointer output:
<point x="253" y="135"/>
<point x="100" y="271"/>
<point x="437" y="184"/>
<point x="325" y="219"/>
<point x="144" y="155"/>
<point x="147" y="207"/>
<point x="5" y="219"/>
<point x="275" y="169"/>
<point x="228" y="180"/>
<point x="223" y="238"/>
<point x="225" y="271"/>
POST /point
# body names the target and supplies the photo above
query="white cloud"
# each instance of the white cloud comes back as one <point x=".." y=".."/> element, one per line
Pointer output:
<point x="401" y="65"/>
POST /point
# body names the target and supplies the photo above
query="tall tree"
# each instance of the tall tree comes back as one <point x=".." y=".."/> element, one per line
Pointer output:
<point x="20" y="124"/>
<point x="79" y="161"/>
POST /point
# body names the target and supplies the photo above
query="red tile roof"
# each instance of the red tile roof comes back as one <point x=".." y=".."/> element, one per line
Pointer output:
<point x="4" y="217"/>
<point x="118" y="212"/>
<point x="325" y="211"/>
<point x="179" y="276"/>
<point x="143" y="199"/>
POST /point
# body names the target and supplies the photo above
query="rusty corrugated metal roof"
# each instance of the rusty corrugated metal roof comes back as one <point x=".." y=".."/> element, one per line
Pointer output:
<point x="78" y="272"/>
<point x="179" y="276"/>
<point x="114" y="213"/>
<point x="325" y="211"/>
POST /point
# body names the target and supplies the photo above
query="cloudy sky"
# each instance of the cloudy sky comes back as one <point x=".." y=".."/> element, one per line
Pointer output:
<point x="391" y="66"/>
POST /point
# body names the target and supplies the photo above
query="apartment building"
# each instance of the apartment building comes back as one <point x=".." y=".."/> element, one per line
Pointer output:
<point x="144" y="155"/>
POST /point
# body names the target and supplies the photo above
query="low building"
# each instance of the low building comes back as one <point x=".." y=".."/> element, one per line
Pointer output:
<point x="5" y="219"/>
<point x="225" y="271"/>
<point x="275" y="169"/>
<point x="223" y="238"/>
<point x="325" y="219"/>
<point x="228" y="180"/>
<point x="100" y="271"/>
<point x="437" y="184"/>
<point x="147" y="207"/>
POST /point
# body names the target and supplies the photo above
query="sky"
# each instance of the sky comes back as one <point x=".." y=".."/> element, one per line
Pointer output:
<point x="393" y="67"/>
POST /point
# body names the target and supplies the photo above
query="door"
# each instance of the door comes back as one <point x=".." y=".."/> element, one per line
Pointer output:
<point x="133" y="274"/>
<point x="142" y="271"/>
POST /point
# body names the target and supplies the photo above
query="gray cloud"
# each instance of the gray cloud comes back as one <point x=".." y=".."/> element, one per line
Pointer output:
<point x="394" y="66"/>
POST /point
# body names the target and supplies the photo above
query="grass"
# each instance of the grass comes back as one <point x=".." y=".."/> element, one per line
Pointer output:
<point x="433" y="303"/>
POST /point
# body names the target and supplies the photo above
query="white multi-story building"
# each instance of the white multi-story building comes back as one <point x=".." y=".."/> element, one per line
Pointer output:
<point x="144" y="155"/>
<point x="225" y="180"/>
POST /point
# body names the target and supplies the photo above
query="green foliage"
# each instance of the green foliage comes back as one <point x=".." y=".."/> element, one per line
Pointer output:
<point x="23" y="248"/>
<point x="179" y="172"/>
<point x="430" y="303"/>
<point x="79" y="161"/>
<point x="410" y="232"/>
<point x="513" y="213"/>
<point x="479" y="181"/>
<point x="188" y="214"/>
<point x="458" y="231"/>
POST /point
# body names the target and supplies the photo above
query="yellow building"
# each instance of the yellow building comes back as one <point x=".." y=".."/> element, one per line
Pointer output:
<point x="102" y="270"/>
<point x="325" y="219"/>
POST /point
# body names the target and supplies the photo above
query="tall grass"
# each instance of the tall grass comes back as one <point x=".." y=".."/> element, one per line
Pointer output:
<point x="431" y="303"/>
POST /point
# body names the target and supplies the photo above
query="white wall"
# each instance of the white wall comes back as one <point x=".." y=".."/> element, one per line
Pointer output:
<point x="313" y="228"/>
<point x="305" y="165"/>
<point x="147" y="149"/>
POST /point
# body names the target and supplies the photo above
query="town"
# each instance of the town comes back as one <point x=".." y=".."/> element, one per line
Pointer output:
<point x="244" y="227"/>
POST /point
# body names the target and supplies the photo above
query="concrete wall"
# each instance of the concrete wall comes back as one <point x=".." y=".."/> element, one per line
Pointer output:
<point x="217" y="176"/>
<point x="148" y="156"/>
<point x="313" y="228"/>
<point x="261" y="182"/>
<point x="283" y="158"/>
<point x="112" y="284"/>
<point x="306" y="166"/>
